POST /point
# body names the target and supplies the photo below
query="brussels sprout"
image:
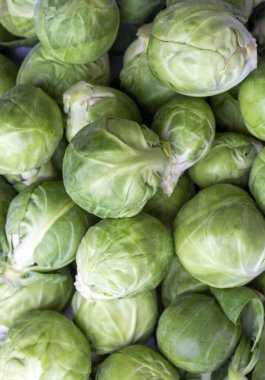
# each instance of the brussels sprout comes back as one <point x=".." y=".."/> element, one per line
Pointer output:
<point x="251" y="101"/>
<point x="213" y="235"/>
<point x="188" y="125"/>
<point x="112" y="167"/>
<point x="17" y="16"/>
<point x="44" y="345"/>
<point x="44" y="228"/>
<point x="85" y="103"/>
<point x="257" y="180"/>
<point x="201" y="48"/>
<point x="165" y="207"/>
<point x="76" y="31"/>
<point x="179" y="281"/>
<point x="229" y="160"/>
<point x="8" y="74"/>
<point x="29" y="134"/>
<point x="227" y="112"/>
<point x="195" y="334"/>
<point x="40" y="69"/>
<point x="112" y="324"/>
<point x="138" y="80"/>
<point x="138" y="250"/>
<point x="7" y="193"/>
<point x="33" y="291"/>
<point x="23" y="180"/>
<point x="136" y="362"/>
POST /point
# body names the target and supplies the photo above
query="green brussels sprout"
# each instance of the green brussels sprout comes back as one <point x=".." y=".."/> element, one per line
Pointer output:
<point x="40" y="69"/>
<point x="8" y="74"/>
<point x="136" y="362"/>
<point x="257" y="180"/>
<point x="137" y="78"/>
<point x="29" y="134"/>
<point x="17" y="16"/>
<point x="33" y="291"/>
<point x="201" y="48"/>
<point x="23" y="180"/>
<point x="188" y="126"/>
<point x="179" y="281"/>
<point x="227" y="112"/>
<point x="165" y="207"/>
<point x="7" y="193"/>
<point x="112" y="324"/>
<point x="112" y="167"/>
<point x="76" y="31"/>
<point x="85" y="103"/>
<point x="213" y="235"/>
<point x="138" y="251"/>
<point x="38" y="221"/>
<point x="229" y="160"/>
<point x="195" y="334"/>
<point x="44" y="345"/>
<point x="251" y="102"/>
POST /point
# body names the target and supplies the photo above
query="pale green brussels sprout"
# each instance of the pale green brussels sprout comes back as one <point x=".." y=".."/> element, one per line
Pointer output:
<point x="188" y="126"/>
<point x="112" y="324"/>
<point x="8" y="74"/>
<point x="189" y="326"/>
<point x="76" y="31"/>
<point x="227" y="112"/>
<point x="7" y="193"/>
<point x="213" y="235"/>
<point x="257" y="180"/>
<point x="137" y="78"/>
<point x="17" y="16"/>
<point x="85" y="103"/>
<point x="32" y="291"/>
<point x="229" y="160"/>
<point x="112" y="167"/>
<point x="136" y="362"/>
<point x="31" y="128"/>
<point x="44" y="228"/>
<point x="165" y="207"/>
<point x="40" y="69"/>
<point x="179" y="281"/>
<point x="23" y="180"/>
<point x="44" y="345"/>
<point x="201" y="48"/>
<point x="251" y="101"/>
<point x="123" y="257"/>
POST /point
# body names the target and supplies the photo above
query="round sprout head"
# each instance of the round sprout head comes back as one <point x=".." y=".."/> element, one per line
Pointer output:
<point x="44" y="345"/>
<point x="77" y="31"/>
<point x="201" y="48"/>
<point x="138" y="250"/>
<point x="112" y="167"/>
<point x="29" y="134"/>
<point x="112" y="324"/>
<point x="213" y="235"/>
<point x="139" y="362"/>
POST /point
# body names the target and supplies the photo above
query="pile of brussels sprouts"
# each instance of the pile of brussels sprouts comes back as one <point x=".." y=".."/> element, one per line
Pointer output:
<point x="132" y="190"/>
